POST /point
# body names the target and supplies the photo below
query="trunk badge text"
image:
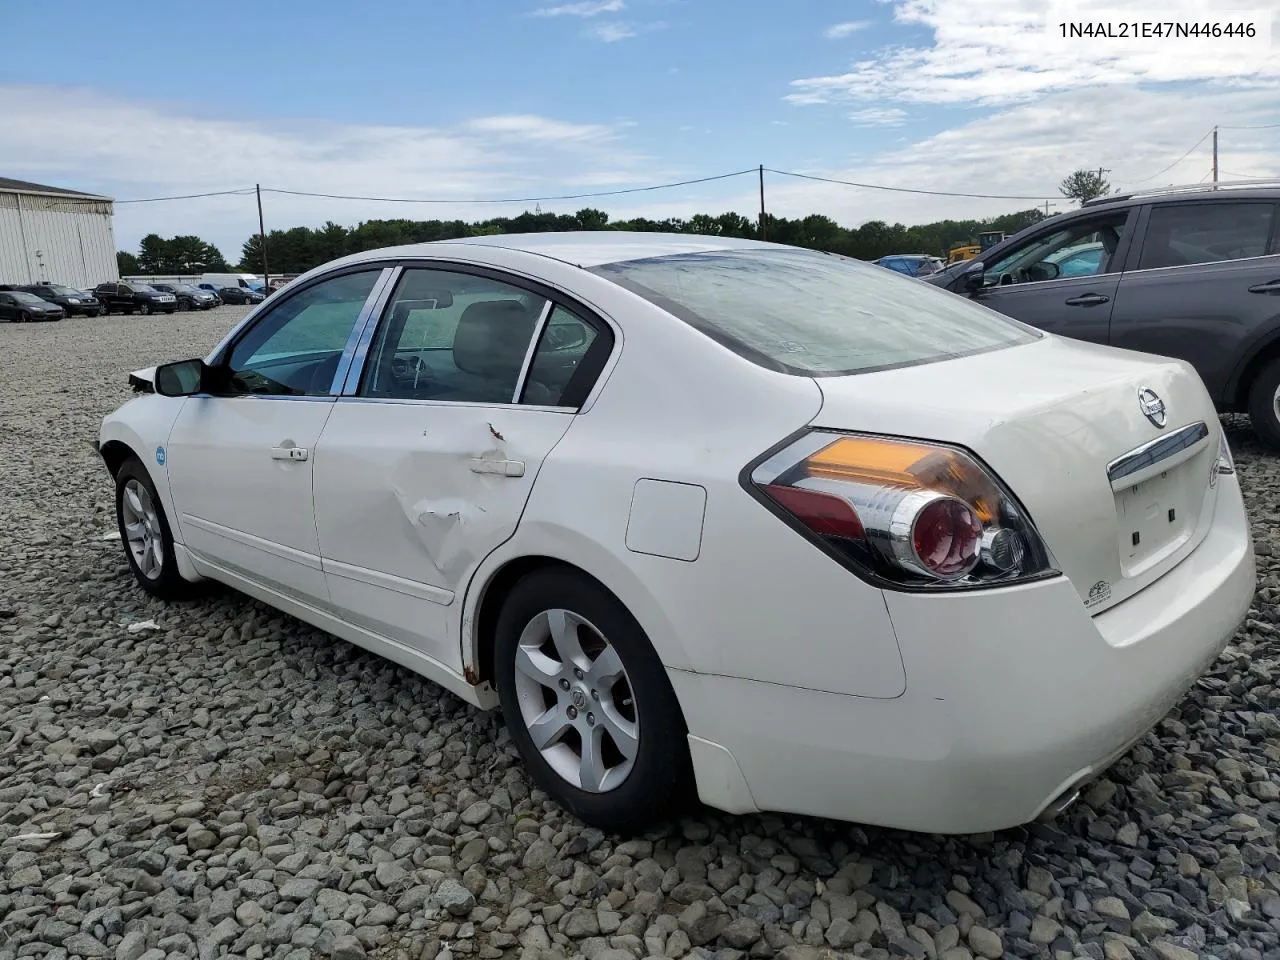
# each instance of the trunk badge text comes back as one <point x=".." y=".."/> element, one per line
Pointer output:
<point x="1152" y="407"/>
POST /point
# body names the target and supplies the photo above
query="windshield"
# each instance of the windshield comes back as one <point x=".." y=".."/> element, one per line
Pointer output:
<point x="183" y="288"/>
<point x="29" y="298"/>
<point x="815" y="314"/>
<point x="58" y="291"/>
<point x="141" y="287"/>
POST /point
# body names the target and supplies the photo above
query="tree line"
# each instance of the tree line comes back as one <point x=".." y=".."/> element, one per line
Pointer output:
<point x="300" y="248"/>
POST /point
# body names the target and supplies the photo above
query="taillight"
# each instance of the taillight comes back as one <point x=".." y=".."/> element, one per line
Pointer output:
<point x="903" y="512"/>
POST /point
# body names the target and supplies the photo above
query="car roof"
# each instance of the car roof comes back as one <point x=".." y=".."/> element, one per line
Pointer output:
<point x="1226" y="190"/>
<point x="585" y="248"/>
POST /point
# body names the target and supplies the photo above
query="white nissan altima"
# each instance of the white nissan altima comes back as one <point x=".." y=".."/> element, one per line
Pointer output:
<point x="710" y="517"/>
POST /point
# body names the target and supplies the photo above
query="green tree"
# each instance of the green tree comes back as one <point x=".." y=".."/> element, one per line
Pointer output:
<point x="1084" y="185"/>
<point x="127" y="264"/>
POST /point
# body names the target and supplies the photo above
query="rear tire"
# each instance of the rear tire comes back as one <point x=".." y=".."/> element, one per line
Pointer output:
<point x="617" y="700"/>
<point x="1264" y="404"/>
<point x="145" y="534"/>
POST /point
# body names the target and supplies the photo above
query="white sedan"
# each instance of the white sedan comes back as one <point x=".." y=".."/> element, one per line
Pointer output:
<point x="710" y="518"/>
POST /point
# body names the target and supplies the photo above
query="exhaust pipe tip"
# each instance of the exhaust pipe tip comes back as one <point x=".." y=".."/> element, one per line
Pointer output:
<point x="1059" y="805"/>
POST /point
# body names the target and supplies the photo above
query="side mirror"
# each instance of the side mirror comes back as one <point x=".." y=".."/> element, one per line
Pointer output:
<point x="181" y="379"/>
<point x="973" y="277"/>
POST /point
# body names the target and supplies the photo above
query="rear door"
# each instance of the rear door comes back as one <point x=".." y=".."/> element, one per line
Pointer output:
<point x="1026" y="281"/>
<point x="1204" y="283"/>
<point x="425" y="465"/>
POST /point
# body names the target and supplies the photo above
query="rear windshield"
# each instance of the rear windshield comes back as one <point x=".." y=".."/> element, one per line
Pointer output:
<point x="815" y="314"/>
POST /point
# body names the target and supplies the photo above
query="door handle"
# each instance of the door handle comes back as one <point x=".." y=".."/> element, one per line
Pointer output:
<point x="1088" y="300"/>
<point x="503" y="468"/>
<point x="289" y="453"/>
<point x="1272" y="286"/>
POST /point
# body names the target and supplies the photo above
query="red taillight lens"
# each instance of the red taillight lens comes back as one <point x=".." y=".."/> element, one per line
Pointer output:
<point x="904" y="512"/>
<point x="822" y="513"/>
<point x="946" y="538"/>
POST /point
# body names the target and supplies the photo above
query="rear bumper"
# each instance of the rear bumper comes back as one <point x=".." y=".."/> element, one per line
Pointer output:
<point x="1013" y="697"/>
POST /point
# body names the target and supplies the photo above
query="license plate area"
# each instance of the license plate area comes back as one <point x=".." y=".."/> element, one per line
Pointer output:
<point x="1156" y="517"/>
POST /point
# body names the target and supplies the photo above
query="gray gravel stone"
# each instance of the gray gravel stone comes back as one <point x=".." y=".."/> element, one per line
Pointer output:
<point x="270" y="792"/>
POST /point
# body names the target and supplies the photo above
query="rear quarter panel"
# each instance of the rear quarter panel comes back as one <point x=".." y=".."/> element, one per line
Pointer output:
<point x="759" y="601"/>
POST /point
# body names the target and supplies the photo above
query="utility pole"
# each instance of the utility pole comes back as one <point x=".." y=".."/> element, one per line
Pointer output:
<point x="762" y="201"/>
<point x="262" y="242"/>
<point x="1215" y="154"/>
<point x="1047" y="205"/>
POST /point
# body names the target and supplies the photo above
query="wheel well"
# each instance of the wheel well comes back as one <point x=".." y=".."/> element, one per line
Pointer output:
<point x="114" y="453"/>
<point x="1264" y="356"/>
<point x="495" y="594"/>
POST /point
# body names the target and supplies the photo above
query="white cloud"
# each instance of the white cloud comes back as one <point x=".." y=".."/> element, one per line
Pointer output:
<point x="1026" y="150"/>
<point x="839" y="31"/>
<point x="171" y="151"/>
<point x="879" y="117"/>
<point x="611" y="32"/>
<point x="587" y="8"/>
<point x="1014" y="53"/>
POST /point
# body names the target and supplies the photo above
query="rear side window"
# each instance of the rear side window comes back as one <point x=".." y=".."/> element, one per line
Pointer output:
<point x="1187" y="233"/>
<point x="815" y="314"/>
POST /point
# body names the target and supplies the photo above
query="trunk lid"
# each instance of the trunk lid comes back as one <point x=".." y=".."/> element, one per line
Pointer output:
<point x="1050" y="418"/>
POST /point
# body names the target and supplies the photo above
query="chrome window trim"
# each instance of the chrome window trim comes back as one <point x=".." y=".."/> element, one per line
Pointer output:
<point x="357" y="330"/>
<point x="368" y="327"/>
<point x="1156" y="456"/>
<point x="1202" y="263"/>
<point x="292" y="398"/>
<point x="547" y="307"/>
<point x="1040" y="284"/>
<point x="456" y="403"/>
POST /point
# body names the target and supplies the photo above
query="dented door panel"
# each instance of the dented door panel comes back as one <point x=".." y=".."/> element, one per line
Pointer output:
<point x="411" y="497"/>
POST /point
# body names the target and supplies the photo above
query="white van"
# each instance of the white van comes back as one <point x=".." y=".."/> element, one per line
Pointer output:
<point x="220" y="280"/>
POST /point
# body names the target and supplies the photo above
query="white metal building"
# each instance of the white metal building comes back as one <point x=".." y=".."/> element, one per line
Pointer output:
<point x="48" y="233"/>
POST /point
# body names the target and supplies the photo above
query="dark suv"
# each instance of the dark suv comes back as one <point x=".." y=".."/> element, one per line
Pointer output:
<point x="134" y="298"/>
<point x="1186" y="272"/>
<point x="189" y="297"/>
<point x="73" y="302"/>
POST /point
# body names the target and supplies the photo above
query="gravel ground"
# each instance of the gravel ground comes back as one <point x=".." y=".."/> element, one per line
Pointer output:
<point x="236" y="783"/>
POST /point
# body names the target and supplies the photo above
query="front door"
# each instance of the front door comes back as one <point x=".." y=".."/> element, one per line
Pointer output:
<point x="1206" y="286"/>
<point x="1063" y="279"/>
<point x="425" y="469"/>
<point x="240" y="462"/>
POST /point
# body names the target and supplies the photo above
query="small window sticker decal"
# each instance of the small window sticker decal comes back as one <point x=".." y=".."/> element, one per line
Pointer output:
<point x="1100" y="592"/>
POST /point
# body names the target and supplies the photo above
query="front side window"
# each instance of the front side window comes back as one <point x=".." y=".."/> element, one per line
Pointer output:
<point x="451" y="336"/>
<point x="294" y="349"/>
<point x="1182" y="234"/>
<point x="815" y="314"/>
<point x="1078" y="249"/>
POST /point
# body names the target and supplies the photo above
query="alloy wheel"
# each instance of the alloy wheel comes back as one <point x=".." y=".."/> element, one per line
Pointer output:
<point x="576" y="701"/>
<point x="142" y="529"/>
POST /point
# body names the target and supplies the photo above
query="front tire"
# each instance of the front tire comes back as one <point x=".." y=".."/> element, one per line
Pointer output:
<point x="589" y="705"/>
<point x="24" y="317"/>
<point x="145" y="533"/>
<point x="1264" y="405"/>
<point x="144" y="309"/>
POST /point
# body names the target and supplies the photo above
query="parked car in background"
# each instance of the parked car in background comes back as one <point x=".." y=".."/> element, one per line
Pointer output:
<point x="240" y="295"/>
<point x="189" y="297"/>
<point x="18" y="306"/>
<point x="73" y="302"/>
<point x="822" y="539"/>
<point x="1188" y="272"/>
<point x="912" y="264"/>
<point x="134" y="297"/>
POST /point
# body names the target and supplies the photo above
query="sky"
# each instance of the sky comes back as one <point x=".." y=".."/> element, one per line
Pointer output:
<point x="497" y="99"/>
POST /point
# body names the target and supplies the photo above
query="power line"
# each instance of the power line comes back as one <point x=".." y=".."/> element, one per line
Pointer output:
<point x="877" y="186"/>
<point x="1206" y="136"/>
<point x="1255" y="126"/>
<point x="567" y="196"/>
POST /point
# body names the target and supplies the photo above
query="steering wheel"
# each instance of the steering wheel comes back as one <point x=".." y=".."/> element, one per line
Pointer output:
<point x="410" y="368"/>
